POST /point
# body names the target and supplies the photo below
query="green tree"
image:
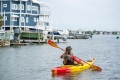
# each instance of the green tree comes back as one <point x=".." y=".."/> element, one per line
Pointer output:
<point x="1" y="20"/>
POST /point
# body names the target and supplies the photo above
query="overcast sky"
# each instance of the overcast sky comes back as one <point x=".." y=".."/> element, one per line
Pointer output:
<point x="85" y="14"/>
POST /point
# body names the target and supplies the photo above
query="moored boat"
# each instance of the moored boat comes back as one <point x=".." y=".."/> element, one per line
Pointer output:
<point x="72" y="68"/>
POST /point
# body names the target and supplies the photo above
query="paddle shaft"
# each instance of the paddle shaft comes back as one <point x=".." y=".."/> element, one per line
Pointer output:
<point x="61" y="49"/>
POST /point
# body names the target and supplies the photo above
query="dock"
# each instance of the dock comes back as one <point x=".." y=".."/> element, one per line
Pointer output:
<point x="32" y="41"/>
<point x="19" y="43"/>
<point x="5" y="37"/>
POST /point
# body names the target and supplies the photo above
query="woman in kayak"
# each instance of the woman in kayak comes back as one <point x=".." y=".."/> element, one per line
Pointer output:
<point x="69" y="58"/>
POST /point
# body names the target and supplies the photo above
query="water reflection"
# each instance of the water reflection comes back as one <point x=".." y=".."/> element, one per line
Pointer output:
<point x="66" y="76"/>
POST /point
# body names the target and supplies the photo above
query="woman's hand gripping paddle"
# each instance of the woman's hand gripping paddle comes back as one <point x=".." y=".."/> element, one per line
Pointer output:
<point x="96" y="68"/>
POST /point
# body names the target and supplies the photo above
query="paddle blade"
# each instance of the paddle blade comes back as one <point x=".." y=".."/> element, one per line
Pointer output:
<point x="50" y="42"/>
<point x="96" y="68"/>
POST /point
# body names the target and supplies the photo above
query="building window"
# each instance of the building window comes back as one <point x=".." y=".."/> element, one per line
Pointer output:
<point x="13" y="6"/>
<point x="14" y="19"/>
<point x="5" y="18"/>
<point x="22" y="19"/>
<point x="35" y="8"/>
<point x="34" y="19"/>
<point x="47" y="24"/>
<point x="22" y="7"/>
<point x="4" y="5"/>
<point x="26" y="19"/>
<point x="28" y="7"/>
<point x="16" y="7"/>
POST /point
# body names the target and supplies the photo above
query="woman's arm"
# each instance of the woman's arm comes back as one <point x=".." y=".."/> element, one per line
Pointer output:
<point x="62" y="55"/>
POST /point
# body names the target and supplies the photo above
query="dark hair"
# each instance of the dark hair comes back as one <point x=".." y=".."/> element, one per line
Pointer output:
<point x="68" y="47"/>
<point x="68" y="50"/>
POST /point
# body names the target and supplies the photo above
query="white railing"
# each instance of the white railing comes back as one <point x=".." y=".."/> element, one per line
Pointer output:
<point x="45" y="13"/>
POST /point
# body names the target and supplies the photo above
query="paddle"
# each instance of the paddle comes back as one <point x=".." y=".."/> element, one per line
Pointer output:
<point x="96" y="68"/>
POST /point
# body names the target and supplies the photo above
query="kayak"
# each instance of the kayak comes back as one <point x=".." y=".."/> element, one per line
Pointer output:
<point x="73" y="68"/>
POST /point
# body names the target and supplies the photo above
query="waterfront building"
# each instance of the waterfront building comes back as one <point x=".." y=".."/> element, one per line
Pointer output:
<point x="24" y="14"/>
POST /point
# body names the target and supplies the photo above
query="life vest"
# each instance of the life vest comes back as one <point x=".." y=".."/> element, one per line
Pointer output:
<point x="68" y="60"/>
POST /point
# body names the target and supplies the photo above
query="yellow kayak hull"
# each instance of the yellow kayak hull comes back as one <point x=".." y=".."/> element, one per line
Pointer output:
<point x="72" y="68"/>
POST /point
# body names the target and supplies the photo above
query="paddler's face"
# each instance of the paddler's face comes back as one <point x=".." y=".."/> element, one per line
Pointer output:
<point x="69" y="49"/>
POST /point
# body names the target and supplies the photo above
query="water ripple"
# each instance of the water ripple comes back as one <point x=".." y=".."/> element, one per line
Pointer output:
<point x="34" y="62"/>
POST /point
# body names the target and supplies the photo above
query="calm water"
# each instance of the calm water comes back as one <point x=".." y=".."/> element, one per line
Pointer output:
<point x="34" y="62"/>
